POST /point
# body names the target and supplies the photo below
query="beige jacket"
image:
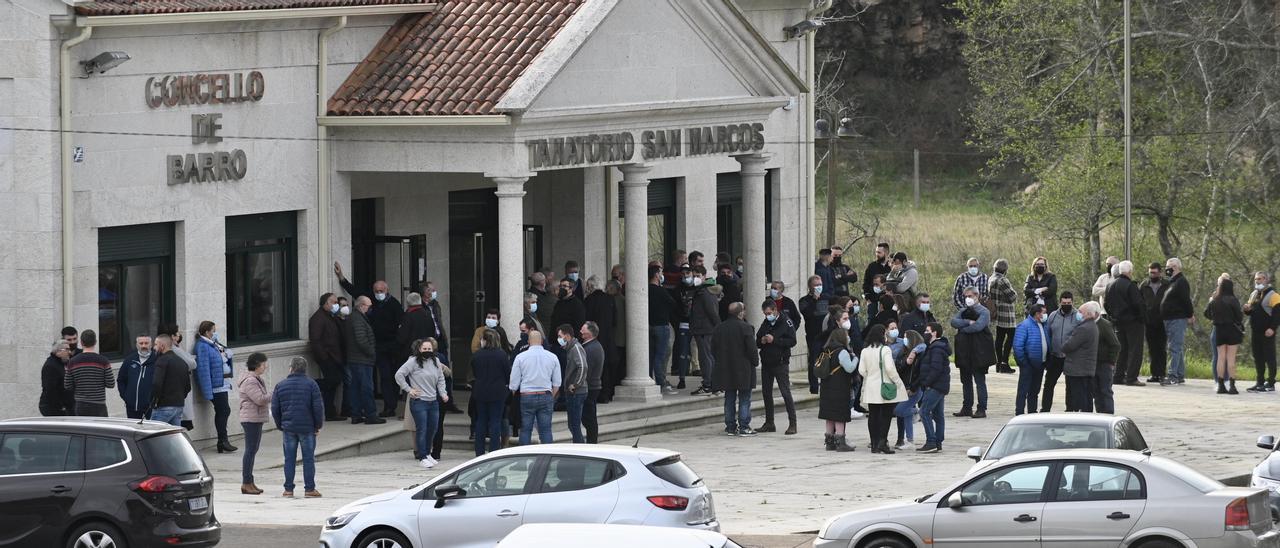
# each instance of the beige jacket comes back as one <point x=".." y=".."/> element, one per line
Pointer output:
<point x="869" y="368"/>
<point x="255" y="399"/>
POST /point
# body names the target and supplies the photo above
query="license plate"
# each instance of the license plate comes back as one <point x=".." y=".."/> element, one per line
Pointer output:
<point x="198" y="504"/>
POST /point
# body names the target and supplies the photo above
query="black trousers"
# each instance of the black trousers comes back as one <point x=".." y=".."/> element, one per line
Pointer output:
<point x="1264" y="355"/>
<point x="221" y="412"/>
<point x="1157" y="341"/>
<point x="1052" y="370"/>
<point x="815" y="348"/>
<point x="1130" y="362"/>
<point x="879" y="419"/>
<point x="1004" y="344"/>
<point x="329" y="383"/>
<point x="776" y="372"/>
<point x="1079" y="394"/>
<point x="1104" y="399"/>
<point x="386" y="370"/>
<point x="590" y="420"/>
<point x="87" y="409"/>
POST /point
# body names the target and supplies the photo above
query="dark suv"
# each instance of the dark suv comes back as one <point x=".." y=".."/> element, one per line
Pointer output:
<point x="81" y="482"/>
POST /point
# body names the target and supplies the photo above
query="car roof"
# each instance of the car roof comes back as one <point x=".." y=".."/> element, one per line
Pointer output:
<point x="645" y="454"/>
<point x="1098" y="419"/>
<point x="572" y="535"/>
<point x="111" y="426"/>
<point x="1124" y="456"/>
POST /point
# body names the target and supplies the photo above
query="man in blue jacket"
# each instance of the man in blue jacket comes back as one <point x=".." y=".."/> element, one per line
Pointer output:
<point x="134" y="379"/>
<point x="934" y="381"/>
<point x="298" y="412"/>
<point x="1031" y="343"/>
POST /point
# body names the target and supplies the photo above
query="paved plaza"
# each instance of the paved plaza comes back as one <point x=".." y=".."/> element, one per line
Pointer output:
<point x="780" y="485"/>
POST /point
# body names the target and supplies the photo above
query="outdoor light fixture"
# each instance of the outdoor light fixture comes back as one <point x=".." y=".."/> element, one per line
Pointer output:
<point x="822" y="129"/>
<point x="802" y="28"/>
<point x="846" y="128"/>
<point x="104" y="61"/>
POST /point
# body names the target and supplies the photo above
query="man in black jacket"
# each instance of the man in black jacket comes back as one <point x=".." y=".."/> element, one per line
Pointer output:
<point x="734" y="345"/>
<point x="1176" y="310"/>
<point x="1128" y="313"/>
<point x="704" y="316"/>
<point x="841" y="273"/>
<point x="324" y="337"/>
<point x="732" y="288"/>
<point x="170" y="384"/>
<point x="384" y="316"/>
<point x="934" y="380"/>
<point x="1153" y="289"/>
<point x="361" y="348"/>
<point x="661" y="310"/>
<point x="775" y="338"/>
<point x="813" y="309"/>
<point x="878" y="267"/>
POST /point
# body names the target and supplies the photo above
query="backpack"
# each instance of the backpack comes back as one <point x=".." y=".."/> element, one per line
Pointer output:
<point x="821" y="370"/>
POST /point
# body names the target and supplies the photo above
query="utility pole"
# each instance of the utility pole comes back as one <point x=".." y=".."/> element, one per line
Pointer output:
<point x="832" y="167"/>
<point x="1128" y="133"/>
<point x="915" y="157"/>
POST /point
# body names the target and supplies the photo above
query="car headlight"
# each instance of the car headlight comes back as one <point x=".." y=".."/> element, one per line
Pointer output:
<point x="1266" y="483"/>
<point x="339" y="521"/>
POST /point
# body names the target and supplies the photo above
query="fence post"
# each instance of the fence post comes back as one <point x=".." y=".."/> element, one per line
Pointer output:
<point x="915" y="153"/>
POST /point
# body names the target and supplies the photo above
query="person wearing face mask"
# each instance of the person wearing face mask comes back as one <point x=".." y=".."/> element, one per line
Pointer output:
<point x="841" y="273"/>
<point x="1128" y="312"/>
<point x="344" y="308"/>
<point x="1031" y="342"/>
<point x="573" y="273"/>
<point x="704" y="316"/>
<point x="1003" y="299"/>
<point x="975" y="352"/>
<point x="682" y="294"/>
<point x="934" y="384"/>
<point x="213" y="375"/>
<point x="531" y="308"/>
<point x="569" y="307"/>
<point x="133" y="381"/>
<point x="876" y="270"/>
<point x="877" y="369"/>
<point x="903" y="279"/>
<point x="545" y="301"/>
<point x="1061" y="323"/>
<point x="775" y="339"/>
<point x="1041" y="286"/>
<point x="734" y="344"/>
<point x="813" y="310"/>
<point x="385" y="316"/>
<point x="822" y="269"/>
<point x="1081" y="362"/>
<point x="1104" y="280"/>
<point x="732" y="288"/>
<point x="324" y="339"/>
<point x="1100" y="390"/>
<point x="55" y="399"/>
<point x="786" y="306"/>
<point x="1177" y="311"/>
<point x="837" y="366"/>
<point x="1152" y="290"/>
<point x="888" y="313"/>
<point x="917" y="319"/>
<point x="1263" y="309"/>
<point x="661" y="315"/>
<point x="971" y="277"/>
<point x="904" y="412"/>
<point x="575" y="379"/>
<point x="422" y="377"/>
<point x="360" y="347"/>
<point x="492" y="319"/>
<point x="1227" y="315"/>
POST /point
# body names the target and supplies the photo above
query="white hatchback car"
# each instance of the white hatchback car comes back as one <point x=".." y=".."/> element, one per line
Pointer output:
<point x="482" y="501"/>
<point x="563" y="535"/>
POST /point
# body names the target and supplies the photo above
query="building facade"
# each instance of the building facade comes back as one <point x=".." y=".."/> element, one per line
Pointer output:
<point x="220" y="171"/>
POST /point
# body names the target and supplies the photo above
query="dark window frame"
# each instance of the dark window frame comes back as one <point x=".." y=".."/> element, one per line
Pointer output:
<point x="238" y="251"/>
<point x="164" y="258"/>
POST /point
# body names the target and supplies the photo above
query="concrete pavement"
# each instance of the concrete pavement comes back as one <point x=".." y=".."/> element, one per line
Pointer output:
<point x="775" y="485"/>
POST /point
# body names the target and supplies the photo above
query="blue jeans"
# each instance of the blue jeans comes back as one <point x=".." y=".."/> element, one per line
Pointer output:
<point x="489" y="415"/>
<point x="1030" y="376"/>
<point x="971" y="378"/>
<point x="933" y="416"/>
<point x="659" y="342"/>
<point x="536" y="409"/>
<point x="292" y="441"/>
<point x="1176" y="331"/>
<point x="906" y="411"/>
<point x="171" y="415"/>
<point x="360" y="392"/>
<point x="425" y="416"/>
<point x="573" y="404"/>
<point x="252" y="440"/>
<point x="680" y="353"/>
<point x="737" y="409"/>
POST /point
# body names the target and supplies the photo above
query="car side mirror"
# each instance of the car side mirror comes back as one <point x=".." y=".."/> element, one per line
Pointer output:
<point x="974" y="453"/>
<point x="955" y="500"/>
<point x="1267" y="442"/>
<point x="446" y="492"/>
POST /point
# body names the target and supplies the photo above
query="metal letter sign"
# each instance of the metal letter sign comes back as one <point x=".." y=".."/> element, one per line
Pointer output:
<point x="614" y="148"/>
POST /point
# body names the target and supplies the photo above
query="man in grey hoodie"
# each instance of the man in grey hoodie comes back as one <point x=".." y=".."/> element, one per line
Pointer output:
<point x="1061" y="323"/>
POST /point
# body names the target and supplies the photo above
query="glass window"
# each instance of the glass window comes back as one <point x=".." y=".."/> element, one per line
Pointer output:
<point x="171" y="455"/>
<point x="135" y="284"/>
<point x="1021" y="438"/>
<point x="37" y="454"/>
<point x="1013" y="485"/>
<point x="674" y="471"/>
<point x="573" y="474"/>
<point x="262" y="277"/>
<point x="494" y="478"/>
<point x="1093" y="481"/>
<point x="1133" y="439"/>
<point x="103" y="452"/>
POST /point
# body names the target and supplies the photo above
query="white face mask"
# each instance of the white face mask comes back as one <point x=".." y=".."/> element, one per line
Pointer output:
<point x="970" y="301"/>
<point x="774" y="293"/>
<point x="697" y="281"/>
<point x="490" y="323"/>
<point x="846" y="325"/>
<point x="380" y="296"/>
<point x="333" y="308"/>
<point x="688" y="280"/>
<point x="771" y="318"/>
<point x="817" y="290"/>
<point x="533" y="307"/>
<point x="1259" y="287"/>
<point x="857" y="309"/>
<point x="435" y="295"/>
<point x="345" y="311"/>
<point x="973" y="271"/>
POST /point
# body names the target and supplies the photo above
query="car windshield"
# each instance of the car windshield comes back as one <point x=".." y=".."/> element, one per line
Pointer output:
<point x="1021" y="438"/>
<point x="676" y="472"/>
<point x="171" y="455"/>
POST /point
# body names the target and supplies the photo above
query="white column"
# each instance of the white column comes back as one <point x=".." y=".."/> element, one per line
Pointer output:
<point x="752" y="175"/>
<point x="511" y="248"/>
<point x="595" y="215"/>
<point x="696" y="215"/>
<point x="637" y="386"/>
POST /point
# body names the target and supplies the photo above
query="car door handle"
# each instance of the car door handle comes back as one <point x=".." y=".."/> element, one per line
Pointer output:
<point x="59" y="489"/>
<point x="1025" y="518"/>
<point x="508" y="514"/>
<point x="1117" y="515"/>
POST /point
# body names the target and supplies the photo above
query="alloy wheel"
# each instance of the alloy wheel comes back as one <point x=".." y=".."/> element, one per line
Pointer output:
<point x="95" y="539"/>
<point x="385" y="543"/>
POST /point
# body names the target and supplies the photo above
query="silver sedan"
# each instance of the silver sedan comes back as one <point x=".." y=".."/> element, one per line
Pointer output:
<point x="1077" y="498"/>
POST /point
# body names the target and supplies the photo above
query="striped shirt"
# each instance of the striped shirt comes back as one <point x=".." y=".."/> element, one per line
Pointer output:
<point x="89" y="376"/>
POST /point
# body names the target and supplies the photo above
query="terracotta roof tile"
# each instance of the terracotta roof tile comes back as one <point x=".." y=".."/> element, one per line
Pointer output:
<point x="147" y="7"/>
<point x="459" y="60"/>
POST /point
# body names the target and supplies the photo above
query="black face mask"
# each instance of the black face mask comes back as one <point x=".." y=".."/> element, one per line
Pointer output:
<point x="1040" y="270"/>
<point x="428" y="356"/>
<point x="1155" y="277"/>
<point x="928" y="338"/>
<point x="1168" y="272"/>
<point x="1065" y="308"/>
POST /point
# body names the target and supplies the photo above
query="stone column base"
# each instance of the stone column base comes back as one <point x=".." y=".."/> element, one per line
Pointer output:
<point x="645" y="393"/>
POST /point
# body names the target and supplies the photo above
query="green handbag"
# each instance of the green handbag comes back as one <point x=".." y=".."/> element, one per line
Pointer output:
<point x="888" y="390"/>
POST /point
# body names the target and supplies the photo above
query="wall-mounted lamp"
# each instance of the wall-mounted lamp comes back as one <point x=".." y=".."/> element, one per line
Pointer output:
<point x="104" y="61"/>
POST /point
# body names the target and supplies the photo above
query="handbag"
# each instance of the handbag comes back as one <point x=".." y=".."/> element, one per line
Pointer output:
<point x="820" y="368"/>
<point x="888" y="390"/>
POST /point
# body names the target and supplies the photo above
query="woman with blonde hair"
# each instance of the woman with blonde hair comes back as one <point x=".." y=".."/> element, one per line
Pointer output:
<point x="1041" y="286"/>
<point x="1225" y="312"/>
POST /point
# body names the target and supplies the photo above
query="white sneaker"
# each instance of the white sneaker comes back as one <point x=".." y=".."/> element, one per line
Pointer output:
<point x="426" y="463"/>
<point x="433" y="460"/>
<point x="854" y="414"/>
<point x="905" y="446"/>
<point x="668" y="389"/>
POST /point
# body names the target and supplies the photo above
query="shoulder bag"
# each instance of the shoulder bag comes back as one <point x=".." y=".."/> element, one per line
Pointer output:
<point x="888" y="390"/>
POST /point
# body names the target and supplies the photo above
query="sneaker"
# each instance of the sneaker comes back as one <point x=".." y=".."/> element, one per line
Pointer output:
<point x="1155" y="379"/>
<point x="854" y="414"/>
<point x="1135" y="382"/>
<point x="1256" y="388"/>
<point x="717" y="394"/>
<point x="730" y="431"/>
<point x="1269" y="387"/>
<point x="1182" y="381"/>
<point x="1167" y="382"/>
<point x="700" y="392"/>
<point x="905" y="446"/>
<point x="929" y="448"/>
<point x="375" y="420"/>
<point x="433" y="460"/>
<point x="668" y="389"/>
<point x="746" y="432"/>
<point x="681" y="385"/>
<point x="426" y="463"/>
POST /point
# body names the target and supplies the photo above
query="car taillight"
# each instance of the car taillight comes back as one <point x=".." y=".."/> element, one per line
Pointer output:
<point x="154" y="484"/>
<point x="1238" y="514"/>
<point x="667" y="502"/>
